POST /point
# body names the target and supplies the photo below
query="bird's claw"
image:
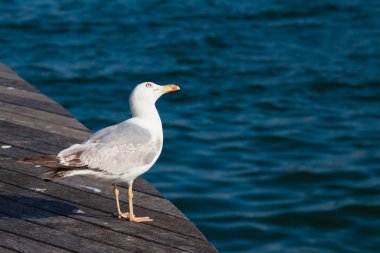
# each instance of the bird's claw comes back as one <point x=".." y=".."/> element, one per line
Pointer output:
<point x="122" y="215"/>
<point x="140" y="219"/>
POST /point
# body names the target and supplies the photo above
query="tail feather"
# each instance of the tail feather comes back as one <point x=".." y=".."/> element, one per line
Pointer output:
<point x="55" y="174"/>
<point x="51" y="161"/>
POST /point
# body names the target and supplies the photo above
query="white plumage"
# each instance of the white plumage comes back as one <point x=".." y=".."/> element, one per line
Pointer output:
<point x="118" y="153"/>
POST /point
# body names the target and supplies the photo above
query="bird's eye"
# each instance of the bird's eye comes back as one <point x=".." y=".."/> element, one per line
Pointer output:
<point x="148" y="85"/>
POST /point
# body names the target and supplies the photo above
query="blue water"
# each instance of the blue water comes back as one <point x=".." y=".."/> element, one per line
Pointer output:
<point x="273" y="143"/>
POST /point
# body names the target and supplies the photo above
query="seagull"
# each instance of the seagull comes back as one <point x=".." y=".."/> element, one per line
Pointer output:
<point x="118" y="153"/>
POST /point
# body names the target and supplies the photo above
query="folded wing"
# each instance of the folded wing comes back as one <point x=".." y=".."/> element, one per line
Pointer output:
<point x="114" y="149"/>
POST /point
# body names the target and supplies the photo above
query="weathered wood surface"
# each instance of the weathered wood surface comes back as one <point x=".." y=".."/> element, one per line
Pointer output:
<point x="73" y="214"/>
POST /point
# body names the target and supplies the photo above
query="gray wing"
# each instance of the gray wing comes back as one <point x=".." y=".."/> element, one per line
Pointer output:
<point x="115" y="149"/>
<point x="125" y="132"/>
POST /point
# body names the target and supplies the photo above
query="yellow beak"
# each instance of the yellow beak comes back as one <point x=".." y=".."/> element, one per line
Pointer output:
<point x="170" y="88"/>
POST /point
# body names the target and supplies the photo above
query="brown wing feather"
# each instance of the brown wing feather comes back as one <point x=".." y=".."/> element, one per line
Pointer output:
<point x="51" y="161"/>
<point x="73" y="159"/>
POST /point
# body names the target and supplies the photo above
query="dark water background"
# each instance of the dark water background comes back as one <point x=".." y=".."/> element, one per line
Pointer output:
<point x="273" y="143"/>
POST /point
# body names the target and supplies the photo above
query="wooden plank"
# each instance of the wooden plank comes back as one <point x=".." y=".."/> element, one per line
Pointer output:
<point x="26" y="245"/>
<point x="36" y="134"/>
<point x="14" y="209"/>
<point x="29" y="144"/>
<point x="43" y="116"/>
<point x="34" y="144"/>
<point x="5" y="68"/>
<point x="14" y="153"/>
<point x="6" y="250"/>
<point x="18" y="84"/>
<point x="142" y="199"/>
<point x="54" y="237"/>
<point x="97" y="217"/>
<point x="43" y="125"/>
<point x="95" y="201"/>
<point x="32" y="103"/>
<point x="11" y="75"/>
<point x="21" y="93"/>
<point x="141" y="185"/>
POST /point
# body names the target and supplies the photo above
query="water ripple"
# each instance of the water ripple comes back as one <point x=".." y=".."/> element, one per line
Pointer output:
<point x="273" y="143"/>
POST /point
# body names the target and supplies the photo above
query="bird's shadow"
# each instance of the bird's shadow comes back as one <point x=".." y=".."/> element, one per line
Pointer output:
<point x="12" y="206"/>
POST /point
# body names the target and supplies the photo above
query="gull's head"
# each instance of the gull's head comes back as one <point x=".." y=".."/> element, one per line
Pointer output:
<point x="149" y="92"/>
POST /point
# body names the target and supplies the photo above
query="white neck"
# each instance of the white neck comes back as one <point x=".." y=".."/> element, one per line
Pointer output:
<point x="147" y="112"/>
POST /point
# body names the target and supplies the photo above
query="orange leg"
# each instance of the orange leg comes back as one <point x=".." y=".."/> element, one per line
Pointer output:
<point x="118" y="213"/>
<point x="132" y="217"/>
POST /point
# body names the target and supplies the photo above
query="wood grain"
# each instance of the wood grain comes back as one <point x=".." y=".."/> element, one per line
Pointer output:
<point x="18" y="84"/>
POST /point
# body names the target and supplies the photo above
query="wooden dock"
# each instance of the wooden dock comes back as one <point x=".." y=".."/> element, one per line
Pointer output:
<point x="73" y="214"/>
